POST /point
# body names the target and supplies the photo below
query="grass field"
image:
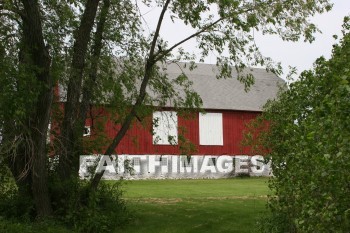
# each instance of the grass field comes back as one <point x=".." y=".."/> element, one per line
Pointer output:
<point x="225" y="205"/>
<point x="179" y="206"/>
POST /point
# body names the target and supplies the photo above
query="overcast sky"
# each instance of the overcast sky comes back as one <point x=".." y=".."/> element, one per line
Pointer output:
<point x="299" y="54"/>
<point x="303" y="54"/>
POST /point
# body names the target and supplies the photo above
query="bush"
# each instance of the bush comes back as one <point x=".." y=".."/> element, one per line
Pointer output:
<point x="87" y="211"/>
<point x="79" y="210"/>
<point x="104" y="211"/>
<point x="308" y="142"/>
<point x="12" y="204"/>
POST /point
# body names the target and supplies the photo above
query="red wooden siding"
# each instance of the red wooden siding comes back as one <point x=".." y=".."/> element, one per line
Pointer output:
<point x="138" y="140"/>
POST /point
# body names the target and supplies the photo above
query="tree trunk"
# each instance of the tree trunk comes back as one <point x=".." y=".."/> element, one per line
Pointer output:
<point x="71" y="134"/>
<point x="88" y="88"/>
<point x="40" y="170"/>
<point x="39" y="62"/>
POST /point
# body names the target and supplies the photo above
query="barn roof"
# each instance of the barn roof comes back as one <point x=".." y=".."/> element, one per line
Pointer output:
<point x="221" y="94"/>
<point x="229" y="93"/>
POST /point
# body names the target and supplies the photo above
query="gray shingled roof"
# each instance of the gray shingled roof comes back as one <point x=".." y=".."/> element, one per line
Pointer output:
<point x="223" y="94"/>
<point x="229" y="93"/>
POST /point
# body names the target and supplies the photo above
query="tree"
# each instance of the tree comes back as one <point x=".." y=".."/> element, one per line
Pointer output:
<point x="307" y="139"/>
<point x="98" y="51"/>
<point x="34" y="62"/>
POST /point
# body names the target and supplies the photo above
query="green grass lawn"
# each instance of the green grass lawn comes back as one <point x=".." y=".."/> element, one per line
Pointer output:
<point x="225" y="205"/>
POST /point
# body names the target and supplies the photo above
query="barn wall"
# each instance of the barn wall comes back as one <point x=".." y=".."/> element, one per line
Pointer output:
<point x="138" y="140"/>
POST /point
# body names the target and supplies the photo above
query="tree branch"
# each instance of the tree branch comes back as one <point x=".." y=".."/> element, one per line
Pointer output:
<point x="96" y="52"/>
<point x="165" y="52"/>
<point x="156" y="34"/>
<point x="142" y="93"/>
<point x="204" y="29"/>
<point x="70" y="125"/>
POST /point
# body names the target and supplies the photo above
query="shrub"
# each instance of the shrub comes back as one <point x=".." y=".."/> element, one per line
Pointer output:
<point x="308" y="142"/>
<point x="12" y="204"/>
<point x="104" y="211"/>
<point x="79" y="209"/>
<point x="87" y="211"/>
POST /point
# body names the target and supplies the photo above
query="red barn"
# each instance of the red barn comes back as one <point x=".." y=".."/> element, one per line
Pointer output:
<point x="216" y="133"/>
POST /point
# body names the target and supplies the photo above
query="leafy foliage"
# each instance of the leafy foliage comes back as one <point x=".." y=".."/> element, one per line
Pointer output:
<point x="307" y="140"/>
<point x="12" y="205"/>
<point x="104" y="211"/>
<point x="98" y="52"/>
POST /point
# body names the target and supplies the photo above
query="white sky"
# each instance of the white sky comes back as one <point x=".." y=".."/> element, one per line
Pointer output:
<point x="298" y="54"/>
<point x="303" y="54"/>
